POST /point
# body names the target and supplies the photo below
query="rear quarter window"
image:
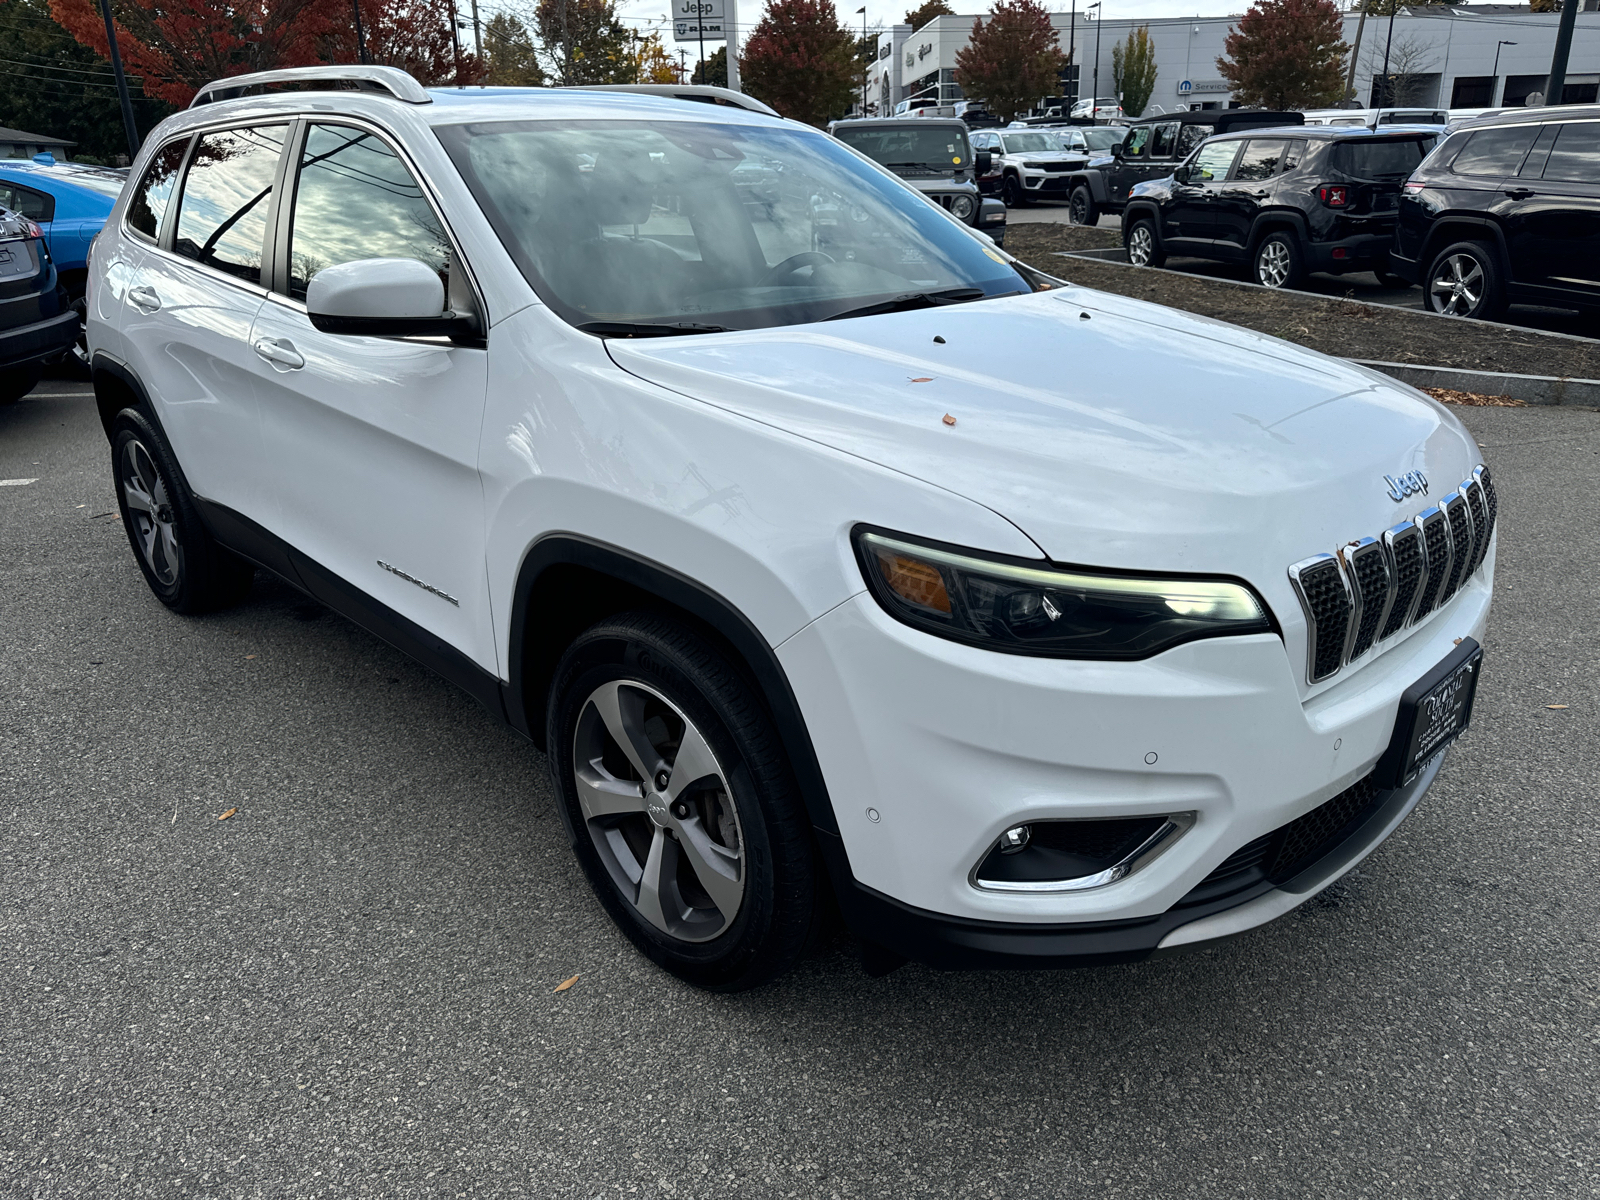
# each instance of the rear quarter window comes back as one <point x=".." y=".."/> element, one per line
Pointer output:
<point x="1494" y="153"/>
<point x="1387" y="159"/>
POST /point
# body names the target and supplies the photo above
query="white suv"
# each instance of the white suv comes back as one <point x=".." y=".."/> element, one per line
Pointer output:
<point x="752" y="486"/>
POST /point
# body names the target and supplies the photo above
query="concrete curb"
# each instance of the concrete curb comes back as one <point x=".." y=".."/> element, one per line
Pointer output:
<point x="1530" y="389"/>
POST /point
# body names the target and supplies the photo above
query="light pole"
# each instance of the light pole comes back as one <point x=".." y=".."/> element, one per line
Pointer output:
<point x="863" y="11"/>
<point x="361" y="37"/>
<point x="1072" y="55"/>
<point x="1388" y="90"/>
<point x="126" y="101"/>
<point x="1094" y="94"/>
<point x="1494" y="87"/>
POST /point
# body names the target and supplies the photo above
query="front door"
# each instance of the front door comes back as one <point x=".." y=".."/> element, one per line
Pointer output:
<point x="373" y="441"/>
<point x="1193" y="210"/>
<point x="1553" y="223"/>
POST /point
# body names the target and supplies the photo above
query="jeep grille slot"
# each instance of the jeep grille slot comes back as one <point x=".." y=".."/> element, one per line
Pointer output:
<point x="1375" y="587"/>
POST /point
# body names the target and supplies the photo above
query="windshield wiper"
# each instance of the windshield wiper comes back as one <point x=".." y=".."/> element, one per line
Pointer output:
<point x="648" y="328"/>
<point x="912" y="300"/>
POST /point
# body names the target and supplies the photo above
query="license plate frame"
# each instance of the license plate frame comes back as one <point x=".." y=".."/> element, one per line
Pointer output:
<point x="1434" y="712"/>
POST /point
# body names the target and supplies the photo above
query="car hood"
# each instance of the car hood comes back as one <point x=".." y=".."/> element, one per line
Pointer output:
<point x="1113" y="432"/>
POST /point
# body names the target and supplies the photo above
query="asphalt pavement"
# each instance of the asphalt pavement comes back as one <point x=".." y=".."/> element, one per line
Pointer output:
<point x="347" y="988"/>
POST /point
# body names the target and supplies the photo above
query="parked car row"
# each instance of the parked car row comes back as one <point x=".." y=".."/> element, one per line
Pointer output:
<point x="1506" y="208"/>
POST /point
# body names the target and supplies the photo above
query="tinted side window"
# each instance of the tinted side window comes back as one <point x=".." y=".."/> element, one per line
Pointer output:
<point x="1494" y="152"/>
<point x="34" y="205"/>
<point x="150" y="199"/>
<point x="1261" y="158"/>
<point x="1165" y="141"/>
<point x="1576" y="157"/>
<point x="1295" y="153"/>
<point x="1138" y="139"/>
<point x="1190" y="136"/>
<point x="222" y="217"/>
<point x="354" y="200"/>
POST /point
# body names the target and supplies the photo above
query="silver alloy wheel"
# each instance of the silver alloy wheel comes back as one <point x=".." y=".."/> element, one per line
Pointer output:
<point x="659" y="809"/>
<point x="1457" y="285"/>
<point x="1141" y="245"/>
<point x="150" y="507"/>
<point x="1273" y="263"/>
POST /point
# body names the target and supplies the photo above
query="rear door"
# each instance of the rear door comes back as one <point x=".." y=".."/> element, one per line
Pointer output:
<point x="194" y="291"/>
<point x="1247" y="188"/>
<point x="373" y="442"/>
<point x="1553" y="219"/>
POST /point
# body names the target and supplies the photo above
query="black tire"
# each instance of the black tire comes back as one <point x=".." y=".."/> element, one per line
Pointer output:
<point x="187" y="571"/>
<point x="17" y="382"/>
<point x="1278" y="262"/>
<point x="1143" y="243"/>
<point x="1476" y="267"/>
<point x="661" y="662"/>
<point x="1081" y="207"/>
<point x="1014" y="194"/>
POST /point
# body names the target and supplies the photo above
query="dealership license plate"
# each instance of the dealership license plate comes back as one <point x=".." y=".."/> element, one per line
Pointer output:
<point x="1434" y="712"/>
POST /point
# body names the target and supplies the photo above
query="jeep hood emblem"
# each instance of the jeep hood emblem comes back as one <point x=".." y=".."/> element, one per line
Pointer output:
<point x="1412" y="483"/>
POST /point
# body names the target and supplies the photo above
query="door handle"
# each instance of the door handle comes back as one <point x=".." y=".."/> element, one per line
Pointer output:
<point x="1259" y="195"/>
<point x="144" y="299"/>
<point x="1519" y="193"/>
<point x="280" y="352"/>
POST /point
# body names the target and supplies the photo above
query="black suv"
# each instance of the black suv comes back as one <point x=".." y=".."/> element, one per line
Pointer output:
<point x="1150" y="149"/>
<point x="37" y="322"/>
<point x="1285" y="201"/>
<point x="1505" y="209"/>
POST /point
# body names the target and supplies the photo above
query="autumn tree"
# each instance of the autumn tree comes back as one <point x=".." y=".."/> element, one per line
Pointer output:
<point x="800" y="60"/>
<point x="1133" y="70"/>
<point x="510" y="57"/>
<point x="652" y="61"/>
<point x="53" y="84"/>
<point x="920" y="16"/>
<point x="584" y="41"/>
<point x="413" y="35"/>
<point x="1286" y="54"/>
<point x="1011" y="61"/>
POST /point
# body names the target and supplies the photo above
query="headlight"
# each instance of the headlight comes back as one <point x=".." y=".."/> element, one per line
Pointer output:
<point x="1052" y="612"/>
<point x="962" y="206"/>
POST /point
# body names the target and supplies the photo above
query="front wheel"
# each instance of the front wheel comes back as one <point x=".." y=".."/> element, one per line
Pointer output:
<point x="685" y="815"/>
<point x="1080" y="206"/>
<point x="1464" y="281"/>
<point x="1013" y="191"/>
<point x="187" y="571"/>
<point x="1144" y="248"/>
<point x="1279" y="261"/>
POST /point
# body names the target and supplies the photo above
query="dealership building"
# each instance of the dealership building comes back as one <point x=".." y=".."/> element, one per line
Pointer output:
<point x="1460" y="56"/>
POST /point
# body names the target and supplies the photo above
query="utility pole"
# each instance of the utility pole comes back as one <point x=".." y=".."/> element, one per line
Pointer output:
<point x="129" y="127"/>
<point x="1355" y="54"/>
<point x="683" y="66"/>
<point x="1558" y="61"/>
<point x="361" y="37"/>
<point x="455" y="41"/>
<point x="477" y="32"/>
<point x="700" y="24"/>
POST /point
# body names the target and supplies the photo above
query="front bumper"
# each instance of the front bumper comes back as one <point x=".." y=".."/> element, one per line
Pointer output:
<point x="1039" y="181"/>
<point x="931" y="749"/>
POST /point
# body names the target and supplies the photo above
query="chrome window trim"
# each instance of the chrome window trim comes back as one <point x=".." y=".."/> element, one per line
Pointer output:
<point x="1140" y="856"/>
<point x="1295" y="571"/>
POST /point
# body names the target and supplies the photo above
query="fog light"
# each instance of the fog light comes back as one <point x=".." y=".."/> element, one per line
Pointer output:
<point x="1014" y="839"/>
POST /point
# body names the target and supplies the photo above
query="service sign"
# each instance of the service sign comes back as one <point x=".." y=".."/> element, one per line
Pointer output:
<point x="696" y="19"/>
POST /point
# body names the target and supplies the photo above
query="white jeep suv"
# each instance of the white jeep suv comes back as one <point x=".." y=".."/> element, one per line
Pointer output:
<point x="752" y="486"/>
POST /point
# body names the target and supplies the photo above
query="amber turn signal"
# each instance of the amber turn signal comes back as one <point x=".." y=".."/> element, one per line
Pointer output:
<point x="914" y="580"/>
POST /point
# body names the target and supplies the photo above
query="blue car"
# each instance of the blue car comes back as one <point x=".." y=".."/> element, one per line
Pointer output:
<point x="69" y="201"/>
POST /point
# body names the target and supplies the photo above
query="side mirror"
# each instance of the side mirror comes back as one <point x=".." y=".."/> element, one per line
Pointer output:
<point x="991" y="215"/>
<point x="982" y="162"/>
<point x="1116" y="151"/>
<point x="383" y="297"/>
<point x="1181" y="174"/>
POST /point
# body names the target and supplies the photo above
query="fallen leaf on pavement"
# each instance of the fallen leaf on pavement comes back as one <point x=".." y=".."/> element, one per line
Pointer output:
<point x="948" y="419"/>
<point x="249" y="655"/>
<point x="566" y="983"/>
<point x="227" y="814"/>
<point x="1555" y="705"/>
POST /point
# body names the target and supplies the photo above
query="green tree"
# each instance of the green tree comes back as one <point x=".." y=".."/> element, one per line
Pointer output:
<point x="716" y="70"/>
<point x="52" y="84"/>
<point x="800" y="60"/>
<point x="510" y="58"/>
<point x="1133" y="71"/>
<point x="920" y="16"/>
<point x="1013" y="60"/>
<point x="583" y="41"/>
<point x="1286" y="54"/>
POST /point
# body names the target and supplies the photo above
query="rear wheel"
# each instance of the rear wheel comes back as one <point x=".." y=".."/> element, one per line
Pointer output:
<point x="187" y="571"/>
<point x="684" y="812"/>
<point x="1464" y="281"/>
<point x="1279" y="261"/>
<point x="1144" y="248"/>
<point x="1080" y="206"/>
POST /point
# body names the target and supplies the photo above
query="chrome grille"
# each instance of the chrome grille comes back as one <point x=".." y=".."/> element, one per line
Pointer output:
<point x="1403" y="545"/>
<point x="1375" y="587"/>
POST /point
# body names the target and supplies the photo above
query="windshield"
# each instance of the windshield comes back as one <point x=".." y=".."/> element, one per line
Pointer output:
<point x="911" y="146"/>
<point x="1031" y="143"/>
<point x="674" y="223"/>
